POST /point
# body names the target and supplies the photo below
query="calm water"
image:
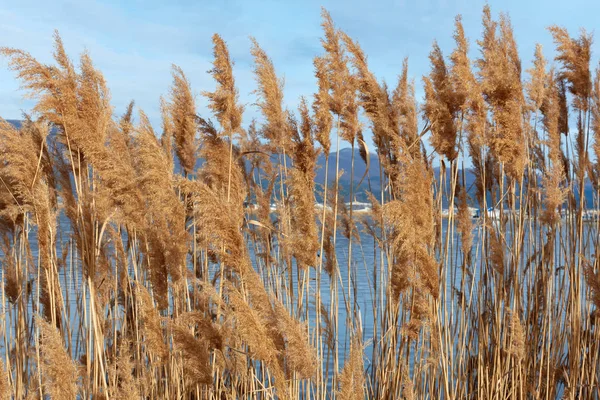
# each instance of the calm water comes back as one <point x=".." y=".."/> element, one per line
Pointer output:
<point x="365" y="266"/>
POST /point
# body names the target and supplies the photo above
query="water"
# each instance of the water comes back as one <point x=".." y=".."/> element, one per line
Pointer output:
<point x="366" y="265"/>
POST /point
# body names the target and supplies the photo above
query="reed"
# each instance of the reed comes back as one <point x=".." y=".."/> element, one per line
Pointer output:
<point x="210" y="263"/>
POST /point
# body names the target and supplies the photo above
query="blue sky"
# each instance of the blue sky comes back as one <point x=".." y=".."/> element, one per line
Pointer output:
<point x="134" y="43"/>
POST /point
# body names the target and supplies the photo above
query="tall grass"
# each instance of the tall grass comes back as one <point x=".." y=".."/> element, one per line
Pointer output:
<point x="139" y="267"/>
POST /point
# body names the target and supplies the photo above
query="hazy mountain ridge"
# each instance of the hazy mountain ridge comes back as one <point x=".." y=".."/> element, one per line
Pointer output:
<point x="370" y="180"/>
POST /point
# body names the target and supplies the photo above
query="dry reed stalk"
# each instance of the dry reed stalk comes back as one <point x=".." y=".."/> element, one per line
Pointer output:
<point x="574" y="55"/>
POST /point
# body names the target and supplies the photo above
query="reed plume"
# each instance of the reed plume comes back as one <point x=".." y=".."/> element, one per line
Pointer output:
<point x="500" y="74"/>
<point x="182" y="110"/>
<point x="13" y="286"/>
<point x="554" y="175"/>
<point x="59" y="370"/>
<point x="469" y="97"/>
<point x="304" y="239"/>
<point x="465" y="225"/>
<point x="164" y="227"/>
<point x="270" y="99"/>
<point x="536" y="87"/>
<point x="411" y="224"/>
<point x="404" y="104"/>
<point x="62" y="92"/>
<point x="151" y="324"/>
<point x="29" y="172"/>
<point x="299" y="355"/>
<point x="219" y="220"/>
<point x="335" y="61"/>
<point x="374" y="100"/>
<point x="329" y="254"/>
<point x="592" y="278"/>
<point x="166" y="139"/>
<point x="347" y="223"/>
<point x="461" y="76"/>
<point x="517" y="336"/>
<point x="5" y="391"/>
<point x="223" y="102"/>
<point x="321" y="107"/>
<point x="352" y="379"/>
<point x="595" y="122"/>
<point x="255" y="333"/>
<point x="497" y="252"/>
<point x="194" y="352"/>
<point x="574" y="55"/>
<point x="408" y="390"/>
<point x="124" y="385"/>
<point x="563" y="107"/>
<point x="440" y="106"/>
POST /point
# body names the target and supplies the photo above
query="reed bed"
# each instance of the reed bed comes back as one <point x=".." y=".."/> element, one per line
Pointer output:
<point x="148" y="264"/>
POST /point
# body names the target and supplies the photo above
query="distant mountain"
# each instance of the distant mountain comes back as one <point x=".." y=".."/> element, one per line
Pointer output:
<point x="345" y="163"/>
<point x="370" y="181"/>
<point x="373" y="175"/>
<point x="14" y="122"/>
